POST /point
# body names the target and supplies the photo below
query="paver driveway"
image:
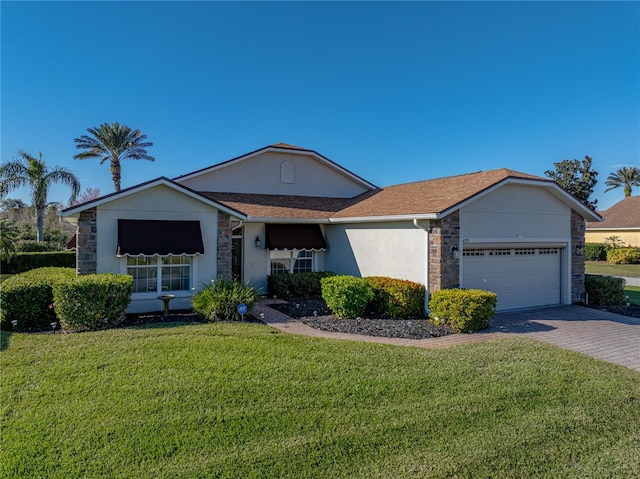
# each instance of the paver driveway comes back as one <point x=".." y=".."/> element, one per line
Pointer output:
<point x="600" y="334"/>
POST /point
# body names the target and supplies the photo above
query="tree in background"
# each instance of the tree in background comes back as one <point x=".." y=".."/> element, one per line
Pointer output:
<point x="87" y="195"/>
<point x="113" y="143"/>
<point x="29" y="171"/>
<point x="577" y="178"/>
<point x="627" y="177"/>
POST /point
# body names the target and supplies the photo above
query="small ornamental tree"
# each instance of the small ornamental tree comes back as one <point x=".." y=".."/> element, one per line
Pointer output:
<point x="576" y="177"/>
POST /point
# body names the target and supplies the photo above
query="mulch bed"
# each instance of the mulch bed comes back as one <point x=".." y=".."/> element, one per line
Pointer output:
<point x="315" y="313"/>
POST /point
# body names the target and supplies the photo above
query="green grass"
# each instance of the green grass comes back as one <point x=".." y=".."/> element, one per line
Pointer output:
<point x="245" y="401"/>
<point x="602" y="267"/>
<point x="633" y="293"/>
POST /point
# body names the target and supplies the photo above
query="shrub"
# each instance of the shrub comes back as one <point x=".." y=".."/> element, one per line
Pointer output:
<point x="93" y="301"/>
<point x="623" y="256"/>
<point x="22" y="262"/>
<point x="604" y="290"/>
<point x="30" y="246"/>
<point x="219" y="300"/>
<point x="595" y="252"/>
<point x="396" y="297"/>
<point x="296" y="285"/>
<point x="28" y="297"/>
<point x="346" y="296"/>
<point x="464" y="310"/>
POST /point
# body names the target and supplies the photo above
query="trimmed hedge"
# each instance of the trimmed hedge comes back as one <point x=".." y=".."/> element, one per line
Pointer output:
<point x="93" y="301"/>
<point x="604" y="290"/>
<point x="22" y="262"/>
<point x="346" y="296"/>
<point x="28" y="298"/>
<point x="623" y="256"/>
<point x="398" y="298"/>
<point x="464" y="310"/>
<point x="296" y="285"/>
<point x="595" y="252"/>
<point x="219" y="300"/>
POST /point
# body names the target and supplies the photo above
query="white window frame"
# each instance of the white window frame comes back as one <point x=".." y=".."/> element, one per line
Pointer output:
<point x="160" y="264"/>
<point x="290" y="256"/>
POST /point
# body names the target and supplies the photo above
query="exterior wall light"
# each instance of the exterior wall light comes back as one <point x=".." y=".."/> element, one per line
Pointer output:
<point x="455" y="252"/>
<point x="579" y="249"/>
<point x="258" y="242"/>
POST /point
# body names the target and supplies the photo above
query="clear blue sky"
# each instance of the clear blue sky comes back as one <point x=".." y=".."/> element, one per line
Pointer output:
<point x="394" y="92"/>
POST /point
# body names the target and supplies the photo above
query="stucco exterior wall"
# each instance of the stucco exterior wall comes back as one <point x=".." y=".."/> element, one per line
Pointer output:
<point x="629" y="238"/>
<point x="394" y="249"/>
<point x="515" y="213"/>
<point x="158" y="203"/>
<point x="277" y="173"/>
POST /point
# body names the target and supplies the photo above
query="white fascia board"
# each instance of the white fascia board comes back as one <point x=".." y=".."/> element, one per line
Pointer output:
<point x="145" y="186"/>
<point x="267" y="219"/>
<point x="613" y="228"/>
<point x="270" y="149"/>
<point x="379" y="219"/>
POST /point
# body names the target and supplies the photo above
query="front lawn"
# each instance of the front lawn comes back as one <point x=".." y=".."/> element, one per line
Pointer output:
<point x="244" y="400"/>
<point x="633" y="293"/>
<point x="602" y="267"/>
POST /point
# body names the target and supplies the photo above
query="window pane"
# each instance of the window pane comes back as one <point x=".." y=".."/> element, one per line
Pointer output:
<point x="281" y="266"/>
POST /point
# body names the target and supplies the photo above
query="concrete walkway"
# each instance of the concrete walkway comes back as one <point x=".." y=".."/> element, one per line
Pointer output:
<point x="631" y="281"/>
<point x="600" y="334"/>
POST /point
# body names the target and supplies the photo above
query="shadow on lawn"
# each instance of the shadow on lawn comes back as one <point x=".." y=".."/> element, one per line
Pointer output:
<point x="4" y="339"/>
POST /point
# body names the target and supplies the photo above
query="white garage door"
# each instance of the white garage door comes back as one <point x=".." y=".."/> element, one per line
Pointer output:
<point x="521" y="277"/>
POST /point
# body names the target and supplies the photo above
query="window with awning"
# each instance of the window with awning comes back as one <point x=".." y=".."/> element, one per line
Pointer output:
<point x="159" y="237"/>
<point x="294" y="237"/>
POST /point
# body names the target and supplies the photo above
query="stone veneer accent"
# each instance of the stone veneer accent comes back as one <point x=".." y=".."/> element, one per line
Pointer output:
<point x="224" y="246"/>
<point x="444" y="270"/>
<point x="87" y="242"/>
<point x="577" y="262"/>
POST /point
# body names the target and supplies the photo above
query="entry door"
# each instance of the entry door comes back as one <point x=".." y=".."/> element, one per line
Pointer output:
<point x="236" y="258"/>
<point x="521" y="277"/>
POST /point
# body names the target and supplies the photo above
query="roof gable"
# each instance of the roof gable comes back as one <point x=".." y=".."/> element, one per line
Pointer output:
<point x="261" y="171"/>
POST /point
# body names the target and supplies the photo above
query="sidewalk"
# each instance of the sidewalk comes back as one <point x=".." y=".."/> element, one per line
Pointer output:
<point x="600" y="334"/>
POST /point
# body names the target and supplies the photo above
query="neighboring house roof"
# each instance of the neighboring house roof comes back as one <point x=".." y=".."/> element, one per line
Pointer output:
<point x="623" y="215"/>
<point x="282" y="147"/>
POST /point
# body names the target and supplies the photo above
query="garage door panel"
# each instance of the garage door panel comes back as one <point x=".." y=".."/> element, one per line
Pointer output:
<point x="521" y="278"/>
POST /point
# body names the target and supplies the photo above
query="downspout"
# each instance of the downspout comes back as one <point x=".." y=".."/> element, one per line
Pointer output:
<point x="237" y="226"/>
<point x="426" y="282"/>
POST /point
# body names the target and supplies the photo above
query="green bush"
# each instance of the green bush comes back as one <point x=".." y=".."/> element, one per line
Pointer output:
<point x="92" y="301"/>
<point x="28" y="298"/>
<point x="398" y="298"/>
<point x="22" y="262"/>
<point x="464" y="310"/>
<point x="346" y="296"/>
<point x="296" y="285"/>
<point x="595" y="252"/>
<point x="219" y="300"/>
<point x="623" y="256"/>
<point x="604" y="290"/>
<point x="31" y="246"/>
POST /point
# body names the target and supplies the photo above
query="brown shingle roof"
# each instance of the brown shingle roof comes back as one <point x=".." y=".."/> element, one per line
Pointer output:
<point x="431" y="196"/>
<point x="290" y="147"/>
<point x="280" y="206"/>
<point x="424" y="197"/>
<point x="624" y="214"/>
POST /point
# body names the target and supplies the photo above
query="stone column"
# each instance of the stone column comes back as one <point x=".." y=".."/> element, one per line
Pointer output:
<point x="444" y="269"/>
<point x="224" y="246"/>
<point x="87" y="242"/>
<point x="577" y="262"/>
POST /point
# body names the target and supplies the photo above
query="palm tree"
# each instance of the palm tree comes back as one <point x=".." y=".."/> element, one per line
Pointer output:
<point x="8" y="235"/>
<point x="113" y="142"/>
<point x="32" y="172"/>
<point x="627" y="176"/>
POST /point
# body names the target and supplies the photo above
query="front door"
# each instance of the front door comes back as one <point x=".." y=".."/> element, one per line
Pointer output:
<point x="236" y="258"/>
